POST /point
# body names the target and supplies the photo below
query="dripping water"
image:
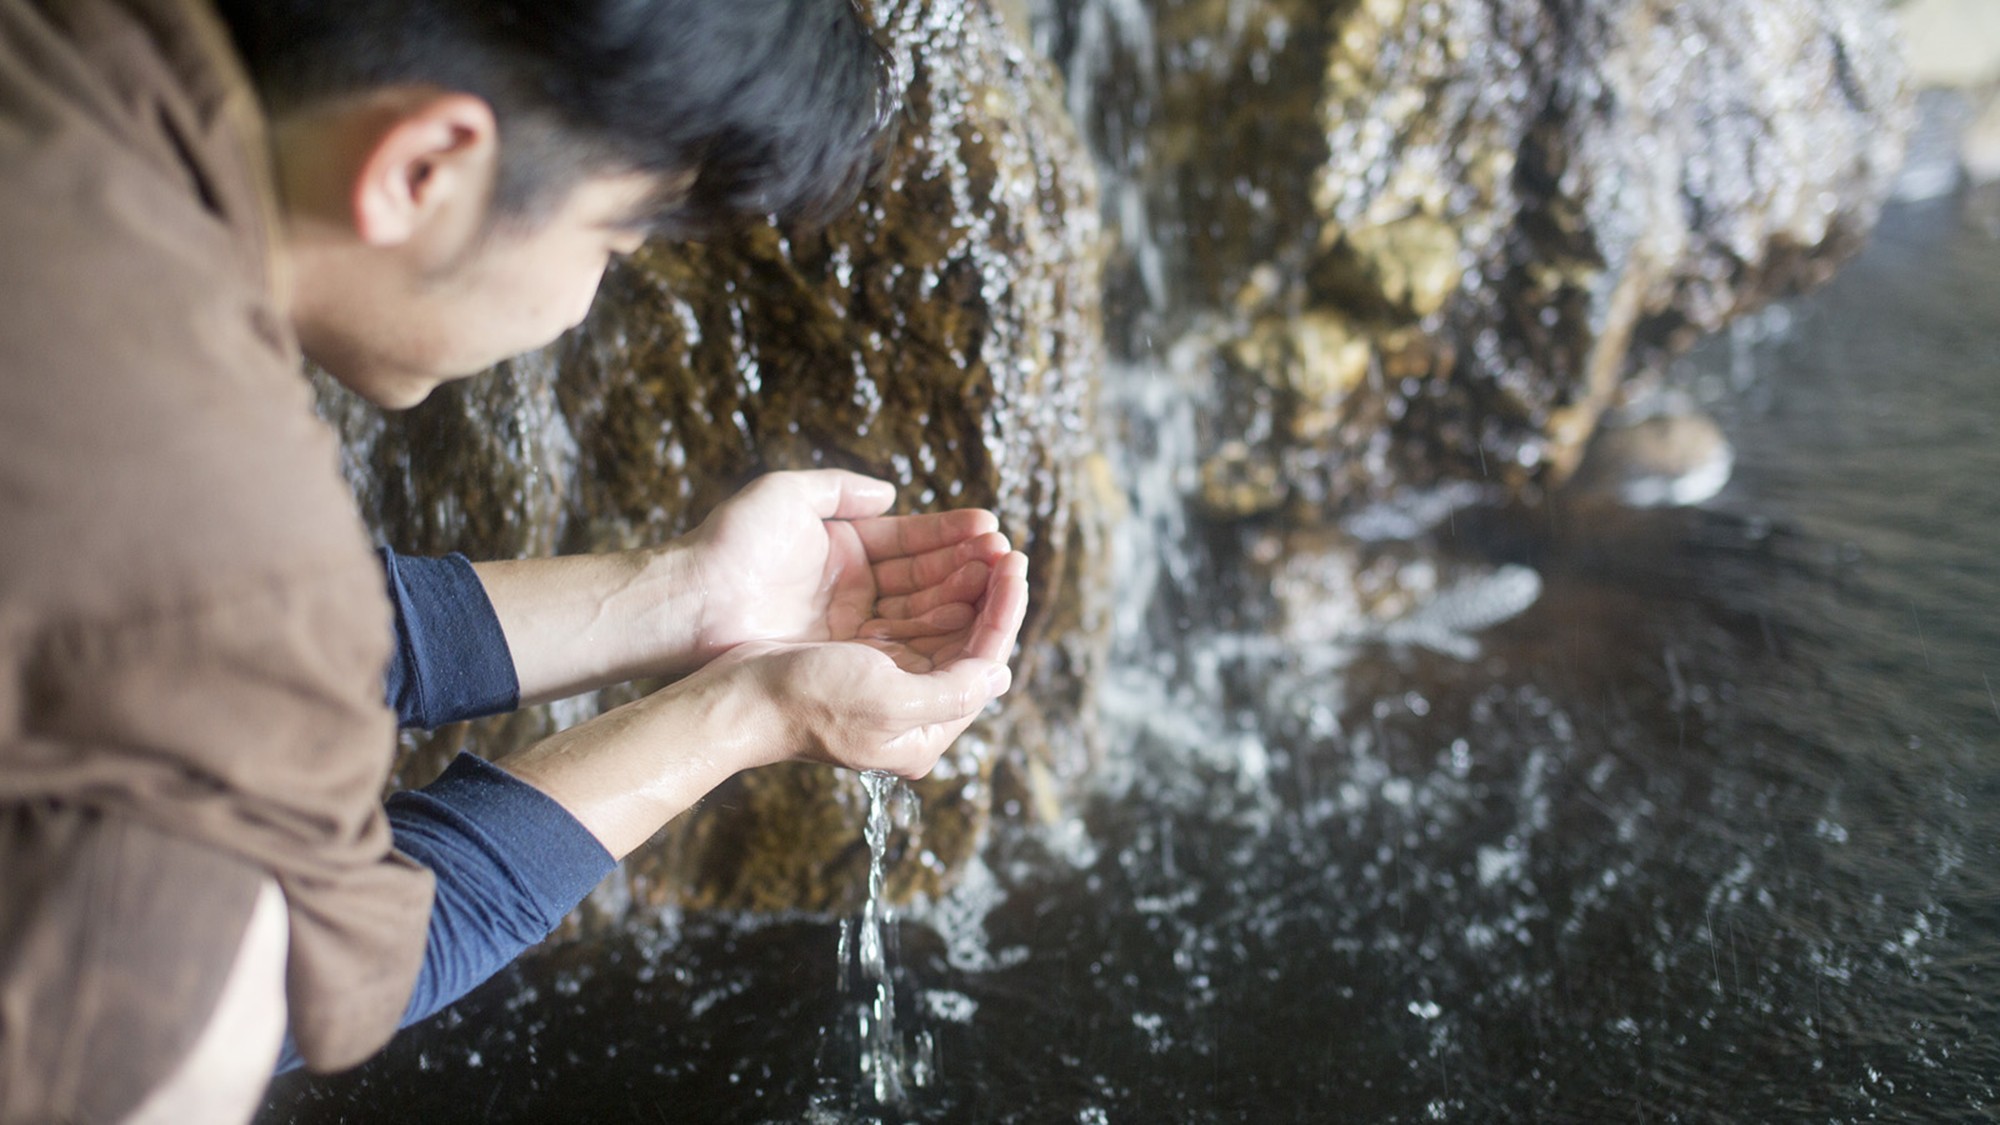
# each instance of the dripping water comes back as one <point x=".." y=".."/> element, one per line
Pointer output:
<point x="895" y="1059"/>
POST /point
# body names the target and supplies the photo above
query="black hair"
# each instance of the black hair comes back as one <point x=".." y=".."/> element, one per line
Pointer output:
<point x="748" y="107"/>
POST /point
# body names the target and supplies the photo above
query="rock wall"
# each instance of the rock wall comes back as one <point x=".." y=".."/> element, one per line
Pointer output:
<point x="1414" y="250"/>
<point x="944" y="336"/>
<point x="1431" y="240"/>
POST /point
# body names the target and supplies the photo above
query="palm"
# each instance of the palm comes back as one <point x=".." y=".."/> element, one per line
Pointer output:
<point x="808" y="557"/>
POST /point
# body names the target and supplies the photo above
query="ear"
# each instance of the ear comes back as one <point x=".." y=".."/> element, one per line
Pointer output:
<point x="434" y="159"/>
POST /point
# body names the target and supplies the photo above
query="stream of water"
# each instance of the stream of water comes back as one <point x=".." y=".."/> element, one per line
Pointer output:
<point x="893" y="1064"/>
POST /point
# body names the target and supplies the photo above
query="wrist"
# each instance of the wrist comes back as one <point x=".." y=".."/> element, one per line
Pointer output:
<point x="583" y="622"/>
<point x="662" y="606"/>
<point x="626" y="773"/>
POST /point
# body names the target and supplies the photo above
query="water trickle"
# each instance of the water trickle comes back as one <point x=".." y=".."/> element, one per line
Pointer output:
<point x="893" y="1062"/>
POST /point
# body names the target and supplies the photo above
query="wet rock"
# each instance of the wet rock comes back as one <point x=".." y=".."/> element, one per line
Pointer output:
<point x="1521" y="206"/>
<point x="1330" y="588"/>
<point x="1955" y="45"/>
<point x="944" y="335"/>
<point x="1297" y="377"/>
<point x="1671" y="459"/>
<point x="1934" y="161"/>
<point x="1321" y="584"/>
<point x="1403" y="270"/>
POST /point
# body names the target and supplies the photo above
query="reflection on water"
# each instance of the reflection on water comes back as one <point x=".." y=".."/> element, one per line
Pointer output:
<point x="1709" y="833"/>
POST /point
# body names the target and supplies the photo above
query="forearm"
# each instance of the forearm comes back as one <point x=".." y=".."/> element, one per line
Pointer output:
<point x="626" y="773"/>
<point x="580" y="623"/>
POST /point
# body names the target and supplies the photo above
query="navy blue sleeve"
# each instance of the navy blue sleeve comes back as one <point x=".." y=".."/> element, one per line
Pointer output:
<point x="451" y="660"/>
<point x="510" y="864"/>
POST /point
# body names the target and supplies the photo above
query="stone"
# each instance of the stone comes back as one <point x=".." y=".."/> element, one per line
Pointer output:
<point x="1406" y="269"/>
<point x="1235" y="482"/>
<point x="1313" y="362"/>
<point x="1524" y="207"/>
<point x="1327" y="588"/>
<point x="944" y="335"/>
<point x="1663" y="460"/>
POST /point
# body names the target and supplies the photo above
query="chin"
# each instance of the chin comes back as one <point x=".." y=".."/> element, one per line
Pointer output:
<point x="403" y="396"/>
<point x="388" y="389"/>
<point x="393" y="383"/>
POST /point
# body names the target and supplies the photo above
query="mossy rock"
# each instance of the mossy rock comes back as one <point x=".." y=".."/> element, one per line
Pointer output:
<point x="944" y="335"/>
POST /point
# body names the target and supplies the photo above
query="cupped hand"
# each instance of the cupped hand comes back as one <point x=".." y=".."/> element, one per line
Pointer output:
<point x="810" y="556"/>
<point x="895" y="693"/>
<point x="886" y="684"/>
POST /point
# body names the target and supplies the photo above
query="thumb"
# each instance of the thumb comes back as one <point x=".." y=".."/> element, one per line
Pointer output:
<point x="837" y="494"/>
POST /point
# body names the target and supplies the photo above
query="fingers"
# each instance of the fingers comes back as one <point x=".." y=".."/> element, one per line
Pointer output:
<point x="918" y="750"/>
<point x="964" y="585"/>
<point x="1001" y="613"/>
<point x="950" y="597"/>
<point x="953" y="617"/>
<point x="892" y="537"/>
<point x="963" y="689"/>
<point x="836" y="494"/>
<point x="957" y="629"/>
<point x="911" y="573"/>
<point x="921" y="654"/>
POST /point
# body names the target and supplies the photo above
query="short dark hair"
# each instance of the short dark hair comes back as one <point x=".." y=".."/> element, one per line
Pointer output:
<point x="753" y="107"/>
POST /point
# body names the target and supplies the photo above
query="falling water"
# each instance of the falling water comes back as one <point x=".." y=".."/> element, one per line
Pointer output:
<point x="892" y="1063"/>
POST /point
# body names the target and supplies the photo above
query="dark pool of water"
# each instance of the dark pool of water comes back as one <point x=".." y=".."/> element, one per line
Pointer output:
<point x="1712" y="833"/>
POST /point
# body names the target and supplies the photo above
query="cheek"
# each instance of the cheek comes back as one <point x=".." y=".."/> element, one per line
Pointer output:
<point x="523" y="302"/>
<point x="555" y="296"/>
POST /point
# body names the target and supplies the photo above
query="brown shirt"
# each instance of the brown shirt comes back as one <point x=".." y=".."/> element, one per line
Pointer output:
<point x="193" y="630"/>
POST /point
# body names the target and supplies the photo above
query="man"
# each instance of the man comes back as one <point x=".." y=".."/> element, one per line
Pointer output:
<point x="193" y="631"/>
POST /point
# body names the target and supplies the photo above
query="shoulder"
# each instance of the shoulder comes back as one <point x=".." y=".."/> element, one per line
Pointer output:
<point x="157" y="436"/>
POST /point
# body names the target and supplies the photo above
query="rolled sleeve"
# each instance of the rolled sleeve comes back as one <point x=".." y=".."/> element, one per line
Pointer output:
<point x="451" y="661"/>
<point x="510" y="864"/>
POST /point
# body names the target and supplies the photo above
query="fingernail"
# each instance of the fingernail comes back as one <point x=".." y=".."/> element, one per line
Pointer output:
<point x="999" y="679"/>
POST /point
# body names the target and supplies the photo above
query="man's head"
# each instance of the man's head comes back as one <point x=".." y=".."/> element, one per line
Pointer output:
<point x="457" y="173"/>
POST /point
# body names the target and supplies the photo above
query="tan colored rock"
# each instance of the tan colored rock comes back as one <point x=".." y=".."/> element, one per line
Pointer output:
<point x="1557" y="200"/>
<point x="1319" y="359"/>
<point x="1657" y="461"/>
<point x="1237" y="482"/>
<point x="1405" y="270"/>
